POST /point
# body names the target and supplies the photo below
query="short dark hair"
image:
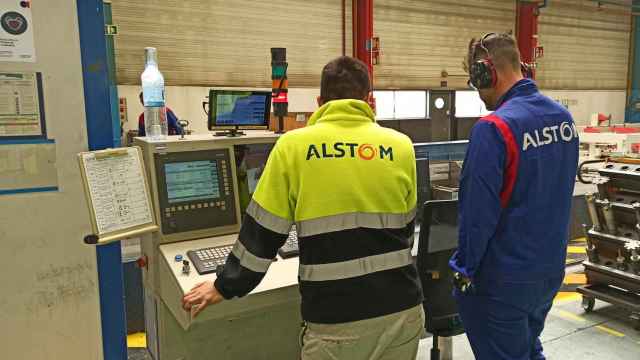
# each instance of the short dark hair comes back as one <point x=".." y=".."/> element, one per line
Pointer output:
<point x="345" y="78"/>
<point x="502" y="48"/>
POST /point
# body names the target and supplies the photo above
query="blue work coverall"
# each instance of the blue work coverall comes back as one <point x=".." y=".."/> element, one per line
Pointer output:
<point x="516" y="189"/>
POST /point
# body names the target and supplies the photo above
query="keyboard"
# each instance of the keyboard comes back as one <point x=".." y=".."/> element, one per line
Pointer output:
<point x="290" y="247"/>
<point x="207" y="260"/>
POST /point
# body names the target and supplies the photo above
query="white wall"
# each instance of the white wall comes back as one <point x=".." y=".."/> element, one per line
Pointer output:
<point x="49" y="305"/>
<point x="186" y="102"/>
<point x="582" y="104"/>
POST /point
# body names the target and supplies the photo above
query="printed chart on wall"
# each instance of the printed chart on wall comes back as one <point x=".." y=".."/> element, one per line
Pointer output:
<point x="20" y="113"/>
<point x="16" y="31"/>
<point x="117" y="191"/>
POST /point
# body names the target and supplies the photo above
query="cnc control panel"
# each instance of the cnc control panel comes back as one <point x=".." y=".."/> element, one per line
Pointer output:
<point x="195" y="190"/>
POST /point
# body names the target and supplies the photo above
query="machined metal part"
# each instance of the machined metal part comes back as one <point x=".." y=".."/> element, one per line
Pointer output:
<point x="593" y="211"/>
<point x="601" y="182"/>
<point x="621" y="261"/>
<point x="609" y="218"/>
<point x="592" y="252"/>
<point x="636" y="209"/>
<point x="634" y="247"/>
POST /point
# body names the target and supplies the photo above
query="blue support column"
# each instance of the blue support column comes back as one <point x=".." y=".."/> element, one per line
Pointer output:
<point x="632" y="113"/>
<point x="103" y="131"/>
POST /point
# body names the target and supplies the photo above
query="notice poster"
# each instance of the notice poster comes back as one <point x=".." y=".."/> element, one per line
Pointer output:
<point x="20" y="113"/>
<point x="16" y="31"/>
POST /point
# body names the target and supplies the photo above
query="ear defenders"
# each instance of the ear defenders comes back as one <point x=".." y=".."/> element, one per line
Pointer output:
<point x="482" y="73"/>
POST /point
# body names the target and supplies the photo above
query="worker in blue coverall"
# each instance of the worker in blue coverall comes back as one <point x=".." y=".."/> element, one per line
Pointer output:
<point x="515" y="197"/>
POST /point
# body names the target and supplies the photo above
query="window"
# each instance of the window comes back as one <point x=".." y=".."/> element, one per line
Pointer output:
<point x="468" y="105"/>
<point x="411" y="105"/>
<point x="398" y="105"/>
<point x="385" y="107"/>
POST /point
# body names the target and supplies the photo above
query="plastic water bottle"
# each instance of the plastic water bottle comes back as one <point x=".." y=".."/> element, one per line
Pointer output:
<point x="155" y="113"/>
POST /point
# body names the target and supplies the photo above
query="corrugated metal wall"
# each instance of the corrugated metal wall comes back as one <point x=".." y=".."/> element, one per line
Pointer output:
<point x="584" y="48"/>
<point x="421" y="38"/>
<point x="226" y="43"/>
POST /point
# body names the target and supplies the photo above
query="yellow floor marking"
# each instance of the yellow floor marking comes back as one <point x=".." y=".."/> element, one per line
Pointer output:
<point x="570" y="316"/>
<point x="137" y="340"/>
<point x="576" y="250"/>
<point x="567" y="297"/>
<point x="575" y="278"/>
<point x="610" y="331"/>
<point x="582" y="239"/>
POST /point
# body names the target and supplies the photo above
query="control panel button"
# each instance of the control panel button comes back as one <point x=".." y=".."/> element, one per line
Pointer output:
<point x="193" y="206"/>
<point x="199" y="206"/>
<point x="178" y="258"/>
<point x="179" y="208"/>
<point x="205" y="205"/>
<point x="173" y="208"/>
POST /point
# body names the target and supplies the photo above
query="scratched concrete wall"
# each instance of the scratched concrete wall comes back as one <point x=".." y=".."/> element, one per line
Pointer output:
<point x="48" y="284"/>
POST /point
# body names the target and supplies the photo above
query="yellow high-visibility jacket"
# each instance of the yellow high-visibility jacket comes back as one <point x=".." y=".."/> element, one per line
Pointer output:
<point x="349" y="186"/>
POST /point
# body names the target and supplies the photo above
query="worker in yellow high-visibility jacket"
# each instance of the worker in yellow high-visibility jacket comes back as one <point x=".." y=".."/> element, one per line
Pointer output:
<point x="349" y="185"/>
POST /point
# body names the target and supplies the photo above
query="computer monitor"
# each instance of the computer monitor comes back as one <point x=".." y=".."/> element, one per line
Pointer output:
<point x="438" y="241"/>
<point x="196" y="190"/>
<point x="234" y="110"/>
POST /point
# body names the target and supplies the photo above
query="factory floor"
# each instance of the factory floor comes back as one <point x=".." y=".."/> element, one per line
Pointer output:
<point x="570" y="333"/>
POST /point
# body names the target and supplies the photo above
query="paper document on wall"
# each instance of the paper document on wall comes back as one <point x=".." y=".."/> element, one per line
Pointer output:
<point x="19" y="105"/>
<point x="118" y="192"/>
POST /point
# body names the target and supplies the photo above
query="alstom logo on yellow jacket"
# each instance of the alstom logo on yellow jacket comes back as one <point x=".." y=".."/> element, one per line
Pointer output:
<point x="352" y="150"/>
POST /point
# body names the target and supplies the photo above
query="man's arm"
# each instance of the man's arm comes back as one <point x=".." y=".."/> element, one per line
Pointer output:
<point x="172" y="123"/>
<point x="479" y="205"/>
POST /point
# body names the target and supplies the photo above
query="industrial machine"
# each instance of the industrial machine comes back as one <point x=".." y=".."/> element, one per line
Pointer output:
<point x="613" y="246"/>
<point x="200" y="187"/>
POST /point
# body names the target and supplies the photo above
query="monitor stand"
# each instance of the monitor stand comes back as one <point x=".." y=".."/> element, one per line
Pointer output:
<point x="230" y="133"/>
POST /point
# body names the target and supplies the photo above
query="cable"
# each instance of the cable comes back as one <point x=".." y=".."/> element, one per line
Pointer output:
<point x="586" y="162"/>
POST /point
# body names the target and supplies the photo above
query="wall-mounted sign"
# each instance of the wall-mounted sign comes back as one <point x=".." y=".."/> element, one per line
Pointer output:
<point x="16" y="31"/>
<point x="21" y="110"/>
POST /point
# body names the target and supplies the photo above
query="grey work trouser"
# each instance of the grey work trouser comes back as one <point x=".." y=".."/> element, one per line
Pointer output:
<point x="389" y="337"/>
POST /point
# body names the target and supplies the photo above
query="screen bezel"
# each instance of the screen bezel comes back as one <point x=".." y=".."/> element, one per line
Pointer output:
<point x="213" y="94"/>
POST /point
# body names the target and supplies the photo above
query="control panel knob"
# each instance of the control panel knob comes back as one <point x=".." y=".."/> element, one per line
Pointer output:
<point x="178" y="258"/>
<point x="186" y="268"/>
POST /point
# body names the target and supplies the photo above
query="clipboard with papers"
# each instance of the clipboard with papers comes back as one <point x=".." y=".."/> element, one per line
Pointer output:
<point x="117" y="194"/>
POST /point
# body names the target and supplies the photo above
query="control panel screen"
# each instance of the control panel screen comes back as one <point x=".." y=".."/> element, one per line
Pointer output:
<point x="192" y="180"/>
<point x="196" y="190"/>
